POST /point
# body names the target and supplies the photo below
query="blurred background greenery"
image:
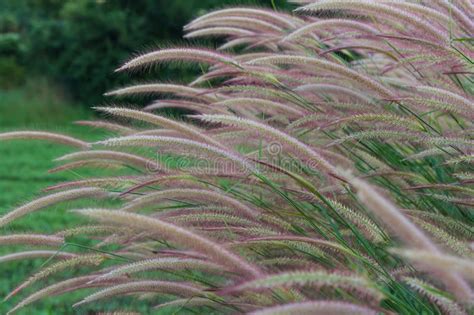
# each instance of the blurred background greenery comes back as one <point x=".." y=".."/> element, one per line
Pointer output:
<point x="76" y="44"/>
<point x="56" y="60"/>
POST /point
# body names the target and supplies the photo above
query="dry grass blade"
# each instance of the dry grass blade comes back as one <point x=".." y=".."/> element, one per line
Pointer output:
<point x="206" y="196"/>
<point x="170" y="263"/>
<point x="41" y="135"/>
<point x="316" y="307"/>
<point x="181" y="127"/>
<point x="31" y="239"/>
<point x="438" y="261"/>
<point x="34" y="254"/>
<point x="177" y="54"/>
<point x="177" y="234"/>
<point x="354" y="76"/>
<point x="54" y="289"/>
<point x="51" y="200"/>
<point x="127" y="158"/>
<point x="166" y="287"/>
<point x="160" y="88"/>
<point x="306" y="153"/>
<point x="318" y="279"/>
<point x="241" y="164"/>
<point x="80" y="260"/>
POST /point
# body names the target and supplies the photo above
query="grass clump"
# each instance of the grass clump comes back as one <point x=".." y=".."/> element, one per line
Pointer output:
<point x="314" y="174"/>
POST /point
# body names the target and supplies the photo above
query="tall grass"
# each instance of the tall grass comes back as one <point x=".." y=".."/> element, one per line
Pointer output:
<point x="326" y="168"/>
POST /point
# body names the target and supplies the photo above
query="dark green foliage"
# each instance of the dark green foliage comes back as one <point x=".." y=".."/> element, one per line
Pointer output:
<point x="11" y="73"/>
<point x="11" y="51"/>
<point x="78" y="43"/>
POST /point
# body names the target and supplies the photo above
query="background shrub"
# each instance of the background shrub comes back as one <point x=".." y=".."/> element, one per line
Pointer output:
<point x="78" y="44"/>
